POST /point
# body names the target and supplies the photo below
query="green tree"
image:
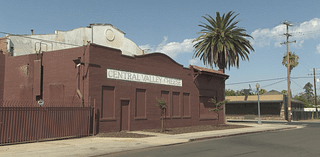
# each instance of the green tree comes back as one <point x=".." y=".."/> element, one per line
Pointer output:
<point x="306" y="103"/>
<point x="221" y="42"/>
<point x="308" y="91"/>
<point x="293" y="60"/>
<point x="163" y="106"/>
<point x="239" y="93"/>
<point x="218" y="107"/>
<point x="229" y="92"/>
<point x="262" y="91"/>
<point x="284" y="92"/>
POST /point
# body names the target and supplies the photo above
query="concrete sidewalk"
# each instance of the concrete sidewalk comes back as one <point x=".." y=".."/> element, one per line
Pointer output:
<point x="92" y="146"/>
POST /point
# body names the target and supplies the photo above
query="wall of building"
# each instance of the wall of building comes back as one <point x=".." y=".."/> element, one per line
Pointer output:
<point x="20" y="78"/>
<point x="3" y="45"/>
<point x="183" y="102"/>
<point x="63" y="80"/>
<point x="252" y="108"/>
<point x="2" y="73"/>
<point x="101" y="34"/>
<point x="121" y="105"/>
<point x="107" y="35"/>
<point x="60" y="80"/>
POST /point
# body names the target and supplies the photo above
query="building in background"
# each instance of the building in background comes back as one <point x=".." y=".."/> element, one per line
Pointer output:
<point x="100" y="34"/>
<point x="273" y="106"/>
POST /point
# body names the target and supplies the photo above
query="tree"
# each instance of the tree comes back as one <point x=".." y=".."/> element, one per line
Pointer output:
<point x="218" y="107"/>
<point x="284" y="92"/>
<point x="162" y="104"/>
<point x="293" y="60"/>
<point x="229" y="92"/>
<point x="306" y="103"/>
<point x="262" y="91"/>
<point x="308" y="91"/>
<point x="221" y="42"/>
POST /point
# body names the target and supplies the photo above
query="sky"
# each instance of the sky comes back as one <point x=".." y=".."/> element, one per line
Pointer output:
<point x="169" y="27"/>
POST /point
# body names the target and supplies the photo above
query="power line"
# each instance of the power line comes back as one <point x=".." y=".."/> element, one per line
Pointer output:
<point x="272" y="84"/>
<point x="297" y="84"/>
<point x="256" y="81"/>
<point x="266" y="80"/>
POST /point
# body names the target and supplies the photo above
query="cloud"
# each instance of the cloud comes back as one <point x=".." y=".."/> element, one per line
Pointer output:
<point x="306" y="30"/>
<point x="193" y="61"/>
<point x="318" y="48"/>
<point x="171" y="49"/>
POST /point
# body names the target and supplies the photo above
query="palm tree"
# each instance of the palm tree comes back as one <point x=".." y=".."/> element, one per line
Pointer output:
<point x="221" y="42"/>
<point x="293" y="59"/>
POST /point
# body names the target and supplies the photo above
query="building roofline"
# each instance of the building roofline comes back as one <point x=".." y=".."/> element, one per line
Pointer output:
<point x="105" y="24"/>
<point x="208" y="71"/>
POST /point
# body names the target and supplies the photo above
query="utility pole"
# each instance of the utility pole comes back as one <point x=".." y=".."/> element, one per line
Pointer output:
<point x="288" y="68"/>
<point x="315" y="91"/>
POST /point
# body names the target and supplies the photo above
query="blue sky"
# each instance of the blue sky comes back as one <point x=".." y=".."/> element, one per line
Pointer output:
<point x="169" y="26"/>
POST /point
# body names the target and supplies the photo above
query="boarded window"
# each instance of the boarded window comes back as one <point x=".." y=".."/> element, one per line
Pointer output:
<point x="140" y="107"/>
<point x="165" y="98"/>
<point x="108" y="103"/>
<point x="175" y="104"/>
<point x="186" y="104"/>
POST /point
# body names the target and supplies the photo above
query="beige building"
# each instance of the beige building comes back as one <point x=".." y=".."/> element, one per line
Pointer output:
<point x="273" y="106"/>
<point x="100" y="34"/>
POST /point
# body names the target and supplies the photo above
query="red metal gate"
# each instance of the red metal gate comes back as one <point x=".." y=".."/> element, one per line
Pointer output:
<point x="21" y="124"/>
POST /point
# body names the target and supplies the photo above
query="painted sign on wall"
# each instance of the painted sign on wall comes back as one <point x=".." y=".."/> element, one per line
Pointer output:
<point x="144" y="78"/>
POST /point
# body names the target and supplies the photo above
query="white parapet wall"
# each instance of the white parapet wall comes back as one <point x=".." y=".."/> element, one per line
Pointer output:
<point x="101" y="34"/>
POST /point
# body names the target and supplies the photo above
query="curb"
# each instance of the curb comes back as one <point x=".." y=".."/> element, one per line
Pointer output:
<point x="244" y="133"/>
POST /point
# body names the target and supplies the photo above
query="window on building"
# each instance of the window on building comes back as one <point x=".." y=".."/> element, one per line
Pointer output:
<point x="108" y="102"/>
<point x="140" y="106"/>
<point x="176" y="104"/>
<point x="186" y="105"/>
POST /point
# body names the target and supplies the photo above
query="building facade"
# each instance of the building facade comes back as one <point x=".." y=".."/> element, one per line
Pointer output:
<point x="123" y="88"/>
<point x="273" y="106"/>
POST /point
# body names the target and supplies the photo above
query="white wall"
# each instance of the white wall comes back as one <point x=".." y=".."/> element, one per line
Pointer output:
<point x="103" y="34"/>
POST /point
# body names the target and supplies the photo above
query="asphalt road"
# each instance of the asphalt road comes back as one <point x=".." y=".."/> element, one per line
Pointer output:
<point x="303" y="142"/>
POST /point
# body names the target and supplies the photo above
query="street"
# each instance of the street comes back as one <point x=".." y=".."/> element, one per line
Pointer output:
<point x="294" y="143"/>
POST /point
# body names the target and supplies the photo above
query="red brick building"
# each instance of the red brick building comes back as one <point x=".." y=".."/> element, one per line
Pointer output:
<point x="124" y="88"/>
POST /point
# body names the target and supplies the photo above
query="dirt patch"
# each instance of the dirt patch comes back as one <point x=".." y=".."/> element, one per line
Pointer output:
<point x="124" y="134"/>
<point x="200" y="128"/>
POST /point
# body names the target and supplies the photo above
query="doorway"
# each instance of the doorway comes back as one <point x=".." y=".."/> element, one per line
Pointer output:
<point x="124" y="115"/>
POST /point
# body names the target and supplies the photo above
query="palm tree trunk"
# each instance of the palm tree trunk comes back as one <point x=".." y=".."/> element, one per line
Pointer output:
<point x="221" y="70"/>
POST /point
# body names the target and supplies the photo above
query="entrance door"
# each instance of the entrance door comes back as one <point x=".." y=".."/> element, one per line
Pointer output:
<point x="124" y="115"/>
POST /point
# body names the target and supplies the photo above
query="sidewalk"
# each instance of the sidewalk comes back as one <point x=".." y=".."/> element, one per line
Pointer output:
<point x="92" y="146"/>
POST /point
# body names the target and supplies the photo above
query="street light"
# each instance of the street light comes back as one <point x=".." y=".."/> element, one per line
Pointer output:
<point x="259" y="120"/>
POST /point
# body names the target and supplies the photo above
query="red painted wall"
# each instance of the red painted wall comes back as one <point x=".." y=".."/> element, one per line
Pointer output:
<point x="19" y="78"/>
<point x="154" y="64"/>
<point x="2" y="67"/>
<point x="63" y="80"/>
